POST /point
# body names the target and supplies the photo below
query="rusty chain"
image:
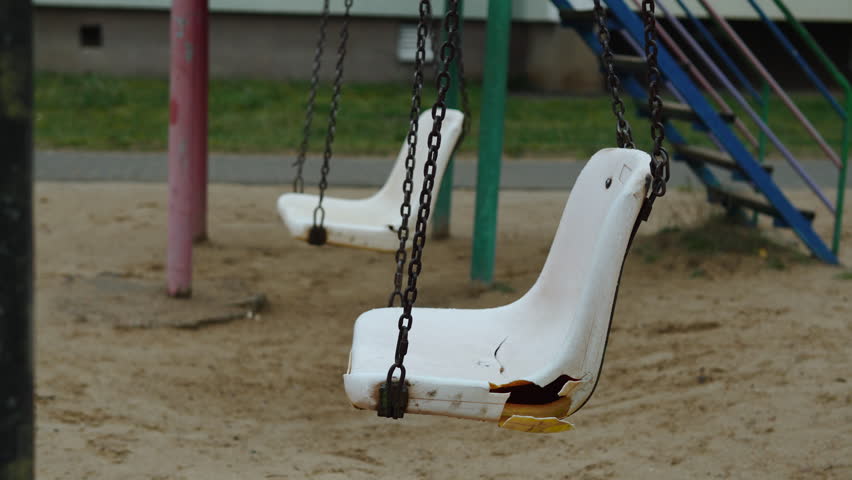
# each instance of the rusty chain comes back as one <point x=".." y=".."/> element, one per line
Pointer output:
<point x="411" y="139"/>
<point x="393" y="394"/>
<point x="317" y="234"/>
<point x="299" y="182"/>
<point x="623" y="134"/>
<point x="660" y="168"/>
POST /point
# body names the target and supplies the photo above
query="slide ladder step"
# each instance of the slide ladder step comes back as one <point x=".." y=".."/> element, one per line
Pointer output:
<point x="713" y="157"/>
<point x="632" y="64"/>
<point x="586" y="18"/>
<point x="682" y="111"/>
<point x="732" y="200"/>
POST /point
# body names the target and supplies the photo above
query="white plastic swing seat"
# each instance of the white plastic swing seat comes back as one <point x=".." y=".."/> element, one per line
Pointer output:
<point x="373" y="222"/>
<point x="530" y="364"/>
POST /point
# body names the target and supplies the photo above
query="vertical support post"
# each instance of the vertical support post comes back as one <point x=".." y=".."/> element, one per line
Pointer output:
<point x="761" y="138"/>
<point x="16" y="242"/>
<point x="844" y="171"/>
<point x="187" y="140"/>
<point x="444" y="202"/>
<point x="491" y="140"/>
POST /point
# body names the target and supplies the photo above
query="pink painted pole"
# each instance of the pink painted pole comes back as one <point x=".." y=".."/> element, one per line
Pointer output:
<point x="187" y="140"/>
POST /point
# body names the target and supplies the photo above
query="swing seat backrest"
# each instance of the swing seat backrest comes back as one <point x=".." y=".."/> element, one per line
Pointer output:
<point x="529" y="364"/>
<point x="372" y="222"/>
<point x="391" y="191"/>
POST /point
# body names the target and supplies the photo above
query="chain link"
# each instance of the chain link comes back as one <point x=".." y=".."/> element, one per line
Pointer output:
<point x="623" y="134"/>
<point x="660" y="168"/>
<point x="465" y="98"/>
<point x="299" y="182"/>
<point x="394" y="390"/>
<point x="317" y="236"/>
<point x="411" y="139"/>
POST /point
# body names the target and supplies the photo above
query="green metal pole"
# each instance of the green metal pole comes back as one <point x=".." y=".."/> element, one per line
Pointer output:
<point x="444" y="202"/>
<point x="847" y="122"/>
<point x="491" y="139"/>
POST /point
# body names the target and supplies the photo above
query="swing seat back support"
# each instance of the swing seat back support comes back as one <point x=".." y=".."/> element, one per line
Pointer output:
<point x="373" y="222"/>
<point x="529" y="364"/>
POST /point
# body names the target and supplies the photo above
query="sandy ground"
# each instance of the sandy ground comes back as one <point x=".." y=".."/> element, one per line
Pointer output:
<point x="741" y="371"/>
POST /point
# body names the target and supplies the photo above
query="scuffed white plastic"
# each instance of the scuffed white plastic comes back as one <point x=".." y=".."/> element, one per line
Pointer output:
<point x="559" y="327"/>
<point x="373" y="222"/>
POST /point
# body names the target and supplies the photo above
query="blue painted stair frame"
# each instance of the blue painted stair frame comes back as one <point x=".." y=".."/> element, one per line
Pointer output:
<point x="631" y="22"/>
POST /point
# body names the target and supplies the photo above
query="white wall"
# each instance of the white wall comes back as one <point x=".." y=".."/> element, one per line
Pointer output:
<point x="524" y="10"/>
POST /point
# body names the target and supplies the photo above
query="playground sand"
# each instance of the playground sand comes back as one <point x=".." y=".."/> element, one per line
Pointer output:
<point x="718" y="365"/>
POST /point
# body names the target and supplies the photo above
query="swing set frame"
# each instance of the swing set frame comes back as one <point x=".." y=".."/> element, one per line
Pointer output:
<point x="188" y="136"/>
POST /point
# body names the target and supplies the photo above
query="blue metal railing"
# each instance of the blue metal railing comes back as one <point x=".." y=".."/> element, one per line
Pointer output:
<point x="779" y="35"/>
<point x="732" y="89"/>
<point x="717" y="48"/>
<point x="630" y="22"/>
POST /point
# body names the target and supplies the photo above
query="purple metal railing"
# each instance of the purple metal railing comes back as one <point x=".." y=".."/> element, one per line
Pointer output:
<point x="702" y="81"/>
<point x="669" y="85"/>
<point x="721" y="77"/>
<point x="772" y="83"/>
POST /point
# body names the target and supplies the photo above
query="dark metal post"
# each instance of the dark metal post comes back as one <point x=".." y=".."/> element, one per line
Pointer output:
<point x="16" y="241"/>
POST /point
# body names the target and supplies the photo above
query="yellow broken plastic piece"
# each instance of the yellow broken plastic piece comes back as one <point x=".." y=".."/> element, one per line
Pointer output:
<point x="523" y="423"/>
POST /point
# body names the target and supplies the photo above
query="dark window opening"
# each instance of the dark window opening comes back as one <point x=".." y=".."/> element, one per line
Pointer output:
<point x="91" y="36"/>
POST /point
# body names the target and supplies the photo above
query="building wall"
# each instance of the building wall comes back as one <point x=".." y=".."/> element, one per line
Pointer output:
<point x="543" y="55"/>
<point x="522" y="10"/>
<point x="136" y="42"/>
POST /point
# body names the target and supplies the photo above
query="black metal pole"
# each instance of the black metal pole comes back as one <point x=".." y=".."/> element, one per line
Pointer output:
<point x="16" y="241"/>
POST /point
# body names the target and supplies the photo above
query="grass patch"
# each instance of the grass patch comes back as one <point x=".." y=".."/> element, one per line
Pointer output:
<point x="100" y="112"/>
<point x="718" y="236"/>
<point x="847" y="275"/>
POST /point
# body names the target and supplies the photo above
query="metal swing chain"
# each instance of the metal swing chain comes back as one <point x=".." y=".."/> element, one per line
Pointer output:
<point x="317" y="235"/>
<point x="465" y="97"/>
<point x="660" y="168"/>
<point x="623" y="134"/>
<point x="393" y="394"/>
<point x="411" y="139"/>
<point x="299" y="182"/>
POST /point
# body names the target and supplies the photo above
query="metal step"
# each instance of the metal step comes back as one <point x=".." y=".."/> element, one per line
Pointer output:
<point x="692" y="153"/>
<point x="632" y="64"/>
<point x="572" y="16"/>
<point x="731" y="200"/>
<point x="682" y="111"/>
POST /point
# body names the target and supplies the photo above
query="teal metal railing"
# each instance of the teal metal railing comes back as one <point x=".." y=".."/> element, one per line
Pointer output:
<point x="841" y="80"/>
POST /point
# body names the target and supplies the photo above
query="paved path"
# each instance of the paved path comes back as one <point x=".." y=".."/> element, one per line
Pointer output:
<point x="351" y="172"/>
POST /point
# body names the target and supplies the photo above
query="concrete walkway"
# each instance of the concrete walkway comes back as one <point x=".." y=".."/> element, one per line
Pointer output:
<point x="528" y="174"/>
